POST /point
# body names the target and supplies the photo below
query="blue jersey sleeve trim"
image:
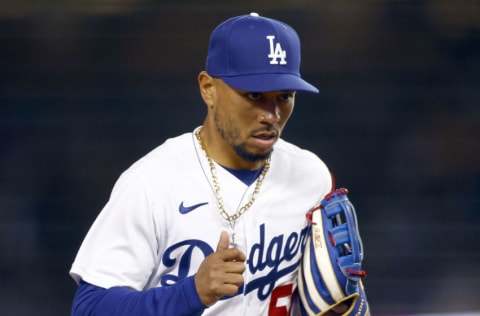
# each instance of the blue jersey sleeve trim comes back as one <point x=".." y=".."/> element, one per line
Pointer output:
<point x="179" y="299"/>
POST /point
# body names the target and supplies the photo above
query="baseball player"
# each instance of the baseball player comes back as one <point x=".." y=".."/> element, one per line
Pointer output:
<point x="212" y="222"/>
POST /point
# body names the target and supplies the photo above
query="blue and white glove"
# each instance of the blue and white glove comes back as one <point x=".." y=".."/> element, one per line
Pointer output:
<point x="330" y="272"/>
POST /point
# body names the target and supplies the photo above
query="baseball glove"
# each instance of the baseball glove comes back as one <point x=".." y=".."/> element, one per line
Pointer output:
<point x="330" y="273"/>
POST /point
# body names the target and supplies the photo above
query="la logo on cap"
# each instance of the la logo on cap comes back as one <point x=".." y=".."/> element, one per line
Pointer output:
<point x="276" y="51"/>
<point x="249" y="53"/>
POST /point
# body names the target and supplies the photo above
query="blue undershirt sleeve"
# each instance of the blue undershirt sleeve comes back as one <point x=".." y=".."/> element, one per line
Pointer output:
<point x="180" y="299"/>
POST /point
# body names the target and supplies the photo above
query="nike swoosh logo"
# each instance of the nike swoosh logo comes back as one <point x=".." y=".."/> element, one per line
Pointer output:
<point x="187" y="209"/>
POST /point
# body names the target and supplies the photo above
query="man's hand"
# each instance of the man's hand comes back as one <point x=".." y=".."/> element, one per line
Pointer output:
<point x="220" y="274"/>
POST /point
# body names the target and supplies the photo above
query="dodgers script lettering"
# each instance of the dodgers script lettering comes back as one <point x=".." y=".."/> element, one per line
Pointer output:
<point x="272" y="259"/>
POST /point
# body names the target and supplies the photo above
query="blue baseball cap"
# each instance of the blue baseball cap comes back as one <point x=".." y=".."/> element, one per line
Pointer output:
<point x="258" y="54"/>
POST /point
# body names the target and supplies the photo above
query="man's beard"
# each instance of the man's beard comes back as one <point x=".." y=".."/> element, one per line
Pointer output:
<point x="240" y="149"/>
<point x="245" y="155"/>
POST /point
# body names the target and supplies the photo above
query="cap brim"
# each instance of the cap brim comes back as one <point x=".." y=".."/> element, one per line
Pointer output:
<point x="269" y="82"/>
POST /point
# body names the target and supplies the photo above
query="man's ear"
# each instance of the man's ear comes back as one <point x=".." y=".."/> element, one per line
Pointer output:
<point x="207" y="88"/>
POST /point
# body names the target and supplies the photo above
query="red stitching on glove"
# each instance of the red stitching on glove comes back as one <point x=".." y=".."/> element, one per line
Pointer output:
<point x="310" y="214"/>
<point x="337" y="192"/>
<point x="309" y="218"/>
<point x="361" y="273"/>
<point x="329" y="196"/>
<point x="332" y="241"/>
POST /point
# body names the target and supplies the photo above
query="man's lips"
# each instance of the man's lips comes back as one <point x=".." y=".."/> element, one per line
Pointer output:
<point x="265" y="135"/>
<point x="265" y="139"/>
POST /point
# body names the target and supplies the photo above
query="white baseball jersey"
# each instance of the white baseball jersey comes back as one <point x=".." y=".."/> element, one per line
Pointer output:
<point x="162" y="220"/>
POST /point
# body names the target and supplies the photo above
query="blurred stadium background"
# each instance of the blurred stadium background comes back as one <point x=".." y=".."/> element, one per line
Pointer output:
<point x="87" y="87"/>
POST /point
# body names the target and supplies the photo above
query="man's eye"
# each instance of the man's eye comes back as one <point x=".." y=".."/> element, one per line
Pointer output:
<point x="254" y="96"/>
<point x="286" y="96"/>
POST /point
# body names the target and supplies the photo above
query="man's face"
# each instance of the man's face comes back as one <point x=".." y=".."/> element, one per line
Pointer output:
<point x="251" y="122"/>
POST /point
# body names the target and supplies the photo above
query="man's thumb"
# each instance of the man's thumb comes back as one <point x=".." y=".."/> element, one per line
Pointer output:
<point x="224" y="241"/>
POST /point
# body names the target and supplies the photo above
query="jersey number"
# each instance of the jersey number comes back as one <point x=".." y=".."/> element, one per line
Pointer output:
<point x="281" y="301"/>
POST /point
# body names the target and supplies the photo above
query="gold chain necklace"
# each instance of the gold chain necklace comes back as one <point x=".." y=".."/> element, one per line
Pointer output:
<point x="217" y="189"/>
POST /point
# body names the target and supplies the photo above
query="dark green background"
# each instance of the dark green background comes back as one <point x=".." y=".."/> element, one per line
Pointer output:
<point x="88" y="87"/>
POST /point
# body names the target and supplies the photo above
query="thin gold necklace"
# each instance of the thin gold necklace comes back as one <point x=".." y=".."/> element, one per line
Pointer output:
<point x="217" y="189"/>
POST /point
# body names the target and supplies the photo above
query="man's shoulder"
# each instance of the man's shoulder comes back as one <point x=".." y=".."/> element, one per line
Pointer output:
<point x="298" y="158"/>
<point x="288" y="149"/>
<point x="301" y="166"/>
